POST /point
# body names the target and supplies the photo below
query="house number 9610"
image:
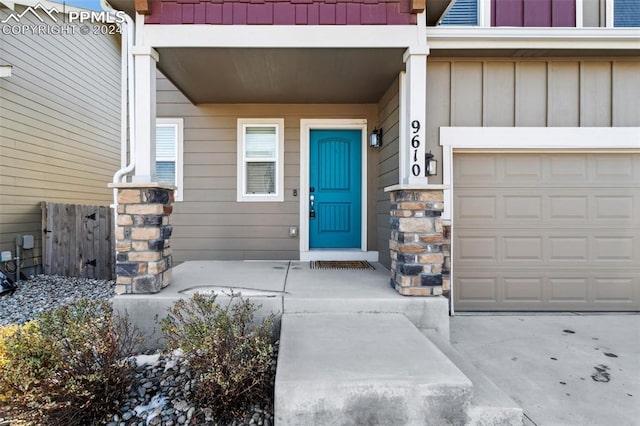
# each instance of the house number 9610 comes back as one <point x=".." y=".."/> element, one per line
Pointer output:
<point x="415" y="144"/>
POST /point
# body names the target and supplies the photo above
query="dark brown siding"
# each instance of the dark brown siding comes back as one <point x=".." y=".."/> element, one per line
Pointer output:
<point x="289" y="12"/>
<point x="533" y="13"/>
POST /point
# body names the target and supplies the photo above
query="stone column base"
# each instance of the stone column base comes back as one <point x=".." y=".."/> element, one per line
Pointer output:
<point x="416" y="239"/>
<point x="143" y="230"/>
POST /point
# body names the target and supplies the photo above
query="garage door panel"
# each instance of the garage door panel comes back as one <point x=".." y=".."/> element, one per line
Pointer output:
<point x="552" y="209"/>
<point x="607" y="289"/>
<point x="478" y="289"/>
<point x="562" y="290"/>
<point x="610" y="207"/>
<point x="566" y="289"/>
<point x="483" y="169"/>
<point x="522" y="249"/>
<point x="612" y="167"/>
<point x="568" y="207"/>
<point x="563" y="248"/>
<point x="569" y="168"/>
<point x="521" y="168"/>
<point x="478" y="208"/>
<point x="613" y="249"/>
<point x="477" y="248"/>
<point x="519" y="207"/>
<point x="554" y="232"/>
<point x="518" y="289"/>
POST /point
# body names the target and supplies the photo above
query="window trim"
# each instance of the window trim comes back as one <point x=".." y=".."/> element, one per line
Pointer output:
<point x="179" y="160"/>
<point x="243" y="123"/>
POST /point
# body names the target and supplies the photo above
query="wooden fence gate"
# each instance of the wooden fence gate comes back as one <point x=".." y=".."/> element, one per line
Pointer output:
<point x="78" y="240"/>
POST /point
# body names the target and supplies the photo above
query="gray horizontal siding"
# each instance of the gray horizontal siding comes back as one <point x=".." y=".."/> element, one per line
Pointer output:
<point x="59" y="126"/>
<point x="389" y="119"/>
<point x="534" y="92"/>
<point x="209" y="223"/>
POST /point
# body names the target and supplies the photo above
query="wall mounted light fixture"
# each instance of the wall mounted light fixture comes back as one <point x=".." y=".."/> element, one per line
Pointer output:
<point x="375" y="139"/>
<point x="431" y="164"/>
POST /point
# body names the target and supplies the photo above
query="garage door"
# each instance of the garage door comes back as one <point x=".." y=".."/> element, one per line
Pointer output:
<point x="547" y="232"/>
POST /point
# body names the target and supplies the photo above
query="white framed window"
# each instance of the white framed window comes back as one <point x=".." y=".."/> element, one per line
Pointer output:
<point x="626" y="13"/>
<point x="169" y="153"/>
<point x="260" y="159"/>
<point x="461" y="12"/>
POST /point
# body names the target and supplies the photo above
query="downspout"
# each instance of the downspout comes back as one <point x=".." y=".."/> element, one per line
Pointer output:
<point x="128" y="99"/>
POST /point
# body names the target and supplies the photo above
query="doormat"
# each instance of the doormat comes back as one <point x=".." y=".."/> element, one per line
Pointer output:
<point x="341" y="264"/>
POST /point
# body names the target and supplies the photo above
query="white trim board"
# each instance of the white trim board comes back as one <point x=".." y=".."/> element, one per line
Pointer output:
<point x="444" y="37"/>
<point x="306" y="125"/>
<point x="345" y="36"/>
<point x="528" y="138"/>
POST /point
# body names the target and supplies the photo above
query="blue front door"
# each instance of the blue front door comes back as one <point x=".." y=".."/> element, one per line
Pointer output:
<point x="335" y="184"/>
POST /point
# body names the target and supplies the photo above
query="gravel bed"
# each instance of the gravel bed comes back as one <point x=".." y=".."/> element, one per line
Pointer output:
<point x="41" y="293"/>
<point x="161" y="394"/>
<point x="163" y="382"/>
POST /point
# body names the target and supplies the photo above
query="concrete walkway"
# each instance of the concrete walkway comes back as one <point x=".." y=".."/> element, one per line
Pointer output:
<point x="563" y="370"/>
<point x="364" y="369"/>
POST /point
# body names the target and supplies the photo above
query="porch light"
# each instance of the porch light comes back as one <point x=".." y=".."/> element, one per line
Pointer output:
<point x="375" y="140"/>
<point x="431" y="164"/>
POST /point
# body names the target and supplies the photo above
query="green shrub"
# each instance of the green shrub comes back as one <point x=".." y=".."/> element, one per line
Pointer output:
<point x="229" y="354"/>
<point x="68" y="366"/>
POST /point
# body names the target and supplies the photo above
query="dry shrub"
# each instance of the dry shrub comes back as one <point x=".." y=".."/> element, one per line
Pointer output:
<point x="68" y="366"/>
<point x="229" y="354"/>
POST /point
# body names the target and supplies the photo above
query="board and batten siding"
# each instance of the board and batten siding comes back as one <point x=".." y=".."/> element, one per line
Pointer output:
<point x="530" y="93"/>
<point x="209" y="223"/>
<point x="389" y="120"/>
<point x="59" y="126"/>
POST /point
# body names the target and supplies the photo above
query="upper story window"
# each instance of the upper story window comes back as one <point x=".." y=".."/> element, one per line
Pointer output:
<point x="169" y="151"/>
<point x="626" y="13"/>
<point x="462" y="12"/>
<point x="260" y="159"/>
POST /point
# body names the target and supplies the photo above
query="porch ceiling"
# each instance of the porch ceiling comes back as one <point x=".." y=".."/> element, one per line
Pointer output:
<point x="249" y="75"/>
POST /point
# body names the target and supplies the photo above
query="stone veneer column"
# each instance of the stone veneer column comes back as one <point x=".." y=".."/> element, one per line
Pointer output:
<point x="416" y="239"/>
<point x="143" y="229"/>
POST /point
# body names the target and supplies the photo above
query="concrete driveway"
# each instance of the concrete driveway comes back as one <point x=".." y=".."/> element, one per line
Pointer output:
<point x="564" y="369"/>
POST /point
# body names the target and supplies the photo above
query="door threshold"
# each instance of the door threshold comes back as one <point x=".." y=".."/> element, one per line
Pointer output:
<point x="338" y="254"/>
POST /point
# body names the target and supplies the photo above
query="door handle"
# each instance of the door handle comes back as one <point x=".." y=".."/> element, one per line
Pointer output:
<point x="312" y="212"/>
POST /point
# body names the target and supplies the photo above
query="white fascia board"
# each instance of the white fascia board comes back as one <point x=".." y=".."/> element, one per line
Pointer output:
<point x="265" y="36"/>
<point x="540" y="137"/>
<point x="5" y="70"/>
<point x="533" y="38"/>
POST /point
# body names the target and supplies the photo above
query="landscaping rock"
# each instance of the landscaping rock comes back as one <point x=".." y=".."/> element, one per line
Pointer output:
<point x="42" y="293"/>
<point x="163" y="383"/>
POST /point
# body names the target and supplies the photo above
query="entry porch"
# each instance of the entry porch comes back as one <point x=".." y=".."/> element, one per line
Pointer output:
<point x="287" y="287"/>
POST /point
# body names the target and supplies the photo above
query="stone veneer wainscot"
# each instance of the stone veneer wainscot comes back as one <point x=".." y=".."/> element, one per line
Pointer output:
<point x="143" y="230"/>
